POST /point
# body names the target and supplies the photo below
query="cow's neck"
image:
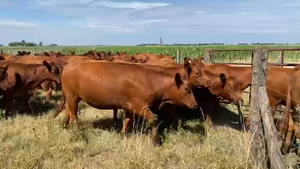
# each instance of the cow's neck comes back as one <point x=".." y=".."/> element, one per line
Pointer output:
<point x="162" y="83"/>
<point x="35" y="80"/>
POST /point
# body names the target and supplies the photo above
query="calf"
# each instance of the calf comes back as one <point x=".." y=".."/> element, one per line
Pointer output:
<point x="135" y="92"/>
<point x="25" y="79"/>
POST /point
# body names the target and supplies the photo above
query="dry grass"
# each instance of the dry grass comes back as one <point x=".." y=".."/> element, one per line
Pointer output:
<point x="40" y="142"/>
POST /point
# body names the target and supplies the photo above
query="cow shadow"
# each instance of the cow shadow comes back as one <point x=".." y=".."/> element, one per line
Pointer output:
<point x="138" y="125"/>
<point x="227" y="118"/>
<point x="223" y="117"/>
<point x="105" y="124"/>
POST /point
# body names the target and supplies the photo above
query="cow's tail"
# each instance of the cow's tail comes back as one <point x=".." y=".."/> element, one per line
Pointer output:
<point x="61" y="106"/>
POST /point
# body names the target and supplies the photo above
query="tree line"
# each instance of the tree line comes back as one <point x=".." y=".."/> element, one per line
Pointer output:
<point x="218" y="44"/>
<point x="24" y="43"/>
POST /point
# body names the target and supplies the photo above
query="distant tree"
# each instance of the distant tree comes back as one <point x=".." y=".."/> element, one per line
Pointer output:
<point x="41" y="43"/>
<point x="53" y="44"/>
<point x="23" y="41"/>
<point x="1" y="45"/>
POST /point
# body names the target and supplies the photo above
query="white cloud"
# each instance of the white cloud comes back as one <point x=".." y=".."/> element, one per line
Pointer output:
<point x="112" y="28"/>
<point x="129" y="5"/>
<point x="17" y="24"/>
<point x="154" y="20"/>
<point x="199" y="12"/>
<point x="61" y="2"/>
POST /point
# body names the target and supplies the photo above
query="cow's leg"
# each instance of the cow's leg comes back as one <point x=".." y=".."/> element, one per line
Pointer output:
<point x="115" y="111"/>
<point x="27" y="106"/>
<point x="208" y="114"/>
<point x="288" y="139"/>
<point x="273" y="104"/>
<point x="7" y="102"/>
<point x="72" y="107"/>
<point x="145" y="112"/>
<point x="153" y="118"/>
<point x="48" y="90"/>
<point x="128" y="119"/>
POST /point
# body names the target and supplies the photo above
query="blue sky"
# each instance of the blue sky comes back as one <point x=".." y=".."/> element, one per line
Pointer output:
<point x="124" y="22"/>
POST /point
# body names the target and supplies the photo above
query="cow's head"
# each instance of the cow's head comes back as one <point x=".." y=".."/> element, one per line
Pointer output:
<point x="53" y="71"/>
<point x="4" y="83"/>
<point x="140" y="58"/>
<point x="180" y="93"/>
<point x="127" y="58"/>
<point x="197" y="76"/>
<point x="228" y="89"/>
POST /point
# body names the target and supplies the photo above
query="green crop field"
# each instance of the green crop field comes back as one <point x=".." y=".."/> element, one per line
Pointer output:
<point x="190" y="51"/>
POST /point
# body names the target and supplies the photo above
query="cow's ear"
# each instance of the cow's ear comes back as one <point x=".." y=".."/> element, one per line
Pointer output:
<point x="178" y="80"/>
<point x="187" y="65"/>
<point x="45" y="63"/>
<point x="223" y="79"/>
<point x="28" y="53"/>
<point x="109" y="53"/>
<point x="46" y="54"/>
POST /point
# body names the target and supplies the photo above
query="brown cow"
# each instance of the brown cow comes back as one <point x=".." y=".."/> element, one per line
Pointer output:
<point x="275" y="86"/>
<point x="287" y="126"/>
<point x="196" y="76"/>
<point x="23" y="53"/>
<point x="25" y="79"/>
<point x="134" y="92"/>
<point x="4" y="83"/>
<point x="153" y="58"/>
<point x="47" y="86"/>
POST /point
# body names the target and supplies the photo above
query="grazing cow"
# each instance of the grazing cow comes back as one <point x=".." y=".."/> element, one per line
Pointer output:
<point x="47" y="86"/>
<point x="25" y="79"/>
<point x="276" y="87"/>
<point x="91" y="81"/>
<point x="23" y="53"/>
<point x="196" y="76"/>
<point x="125" y="57"/>
<point x="4" y="83"/>
<point x="153" y="58"/>
<point x="207" y="98"/>
<point x="141" y="58"/>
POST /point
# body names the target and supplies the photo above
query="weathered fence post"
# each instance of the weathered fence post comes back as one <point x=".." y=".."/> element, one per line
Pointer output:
<point x="206" y="56"/>
<point x="177" y="55"/>
<point x="266" y="142"/>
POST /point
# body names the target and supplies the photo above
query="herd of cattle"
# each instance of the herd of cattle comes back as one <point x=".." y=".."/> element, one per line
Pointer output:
<point x="148" y="85"/>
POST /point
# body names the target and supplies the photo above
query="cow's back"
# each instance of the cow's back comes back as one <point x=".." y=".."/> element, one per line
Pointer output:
<point x="93" y="80"/>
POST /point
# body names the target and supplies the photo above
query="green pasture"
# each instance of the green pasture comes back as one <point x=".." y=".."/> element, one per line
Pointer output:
<point x="190" y="51"/>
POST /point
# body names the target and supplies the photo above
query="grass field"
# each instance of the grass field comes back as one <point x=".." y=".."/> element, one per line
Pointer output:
<point x="39" y="141"/>
<point x="191" y="51"/>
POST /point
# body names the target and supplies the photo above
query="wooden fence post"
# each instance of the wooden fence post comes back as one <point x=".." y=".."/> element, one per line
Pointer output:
<point x="266" y="142"/>
<point x="177" y="56"/>
<point x="206" y="56"/>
